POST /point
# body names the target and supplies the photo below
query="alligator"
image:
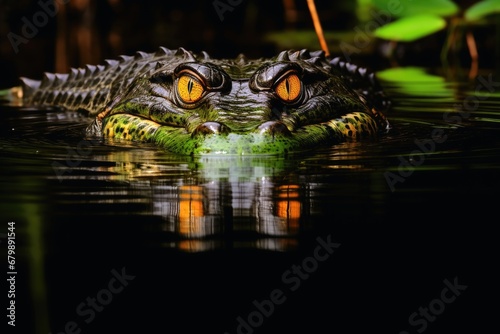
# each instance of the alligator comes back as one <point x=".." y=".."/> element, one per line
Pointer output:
<point x="193" y="104"/>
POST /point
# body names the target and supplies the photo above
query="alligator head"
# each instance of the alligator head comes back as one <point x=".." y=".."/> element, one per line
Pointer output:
<point x="195" y="104"/>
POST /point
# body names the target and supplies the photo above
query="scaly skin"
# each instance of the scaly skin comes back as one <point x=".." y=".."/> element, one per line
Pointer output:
<point x="198" y="105"/>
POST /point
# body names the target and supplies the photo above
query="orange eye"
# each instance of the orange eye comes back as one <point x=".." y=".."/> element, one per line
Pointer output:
<point x="289" y="88"/>
<point x="190" y="89"/>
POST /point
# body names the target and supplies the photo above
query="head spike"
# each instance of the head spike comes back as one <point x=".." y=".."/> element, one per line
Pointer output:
<point x="335" y="61"/>
<point x="283" y="56"/>
<point x="90" y="69"/>
<point x="73" y="72"/>
<point x="317" y="61"/>
<point x="318" y="53"/>
<point x="205" y="55"/>
<point x="48" y="79"/>
<point x="61" y="78"/>
<point x="362" y="71"/>
<point x="81" y="73"/>
<point x="30" y="83"/>
<point x="188" y="56"/>
<point x="293" y="55"/>
<point x="304" y="54"/>
<point x="241" y="59"/>
<point x="111" y="62"/>
<point x="372" y="79"/>
<point x="162" y="51"/>
<point x="125" y="58"/>
<point x="158" y="65"/>
<point x="29" y="86"/>
<point x="142" y="55"/>
<point x="351" y="68"/>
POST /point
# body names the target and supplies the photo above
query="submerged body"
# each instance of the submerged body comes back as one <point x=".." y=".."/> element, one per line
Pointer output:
<point x="193" y="104"/>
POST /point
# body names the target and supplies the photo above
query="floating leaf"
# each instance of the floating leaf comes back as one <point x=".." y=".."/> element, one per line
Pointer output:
<point x="415" y="81"/>
<point x="400" y="8"/>
<point x="408" y="29"/>
<point x="482" y="9"/>
<point x="408" y="74"/>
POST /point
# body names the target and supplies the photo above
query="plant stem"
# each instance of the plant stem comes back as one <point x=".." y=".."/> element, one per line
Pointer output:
<point x="471" y="43"/>
<point x="317" y="26"/>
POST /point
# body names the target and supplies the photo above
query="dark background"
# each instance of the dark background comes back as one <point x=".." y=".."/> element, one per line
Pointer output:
<point x="389" y="263"/>
<point x="89" y="31"/>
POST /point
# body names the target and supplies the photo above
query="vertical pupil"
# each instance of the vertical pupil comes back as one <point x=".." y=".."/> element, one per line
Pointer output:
<point x="190" y="86"/>
<point x="287" y="86"/>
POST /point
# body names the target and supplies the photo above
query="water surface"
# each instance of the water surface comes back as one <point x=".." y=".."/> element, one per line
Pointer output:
<point x="206" y="239"/>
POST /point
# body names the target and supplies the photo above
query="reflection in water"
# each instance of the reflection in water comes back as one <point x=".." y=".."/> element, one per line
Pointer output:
<point x="218" y="199"/>
<point x="118" y="197"/>
<point x="225" y="201"/>
<point x="240" y="201"/>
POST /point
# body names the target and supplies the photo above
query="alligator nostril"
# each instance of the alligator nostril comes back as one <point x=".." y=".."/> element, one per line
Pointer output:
<point x="209" y="128"/>
<point x="273" y="127"/>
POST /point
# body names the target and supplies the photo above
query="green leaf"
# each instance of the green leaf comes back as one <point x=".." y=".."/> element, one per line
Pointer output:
<point x="400" y="8"/>
<point x="408" y="29"/>
<point x="482" y="9"/>
<point x="408" y="74"/>
<point x="414" y="81"/>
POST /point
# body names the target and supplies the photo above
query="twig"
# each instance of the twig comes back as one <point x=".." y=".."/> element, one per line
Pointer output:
<point x="317" y="26"/>
<point x="471" y="43"/>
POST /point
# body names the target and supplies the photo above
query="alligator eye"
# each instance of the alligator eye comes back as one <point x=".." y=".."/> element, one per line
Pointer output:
<point x="289" y="88"/>
<point x="190" y="89"/>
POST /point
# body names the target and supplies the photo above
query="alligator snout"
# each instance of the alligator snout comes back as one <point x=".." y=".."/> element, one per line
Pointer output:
<point x="208" y="128"/>
<point x="267" y="128"/>
<point x="274" y="128"/>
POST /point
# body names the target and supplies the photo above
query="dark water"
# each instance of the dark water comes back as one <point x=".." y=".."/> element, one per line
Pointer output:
<point x="116" y="238"/>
